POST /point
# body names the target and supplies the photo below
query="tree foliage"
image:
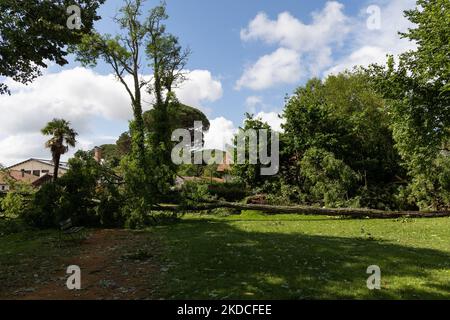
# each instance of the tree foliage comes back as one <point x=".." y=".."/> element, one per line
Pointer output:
<point x="180" y="116"/>
<point x="250" y="173"/>
<point x="34" y="32"/>
<point x="88" y="194"/>
<point x="416" y="88"/>
<point x="148" y="170"/>
<point x="337" y="140"/>
<point x="123" y="53"/>
<point x="328" y="181"/>
<point x="63" y="137"/>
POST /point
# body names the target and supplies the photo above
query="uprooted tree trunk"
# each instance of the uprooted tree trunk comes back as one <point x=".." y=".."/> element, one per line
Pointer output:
<point x="306" y="210"/>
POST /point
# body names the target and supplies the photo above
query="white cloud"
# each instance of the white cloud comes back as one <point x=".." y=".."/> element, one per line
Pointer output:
<point x="87" y="99"/>
<point x="329" y="34"/>
<point x="200" y="86"/>
<point x="76" y="95"/>
<point x="360" y="57"/>
<point x="328" y="26"/>
<point x="272" y="119"/>
<point x="252" y="102"/>
<point x="222" y="130"/>
<point x="310" y="43"/>
<point x="282" y="66"/>
<point x="220" y="134"/>
<point x="371" y="46"/>
<point x="16" y="148"/>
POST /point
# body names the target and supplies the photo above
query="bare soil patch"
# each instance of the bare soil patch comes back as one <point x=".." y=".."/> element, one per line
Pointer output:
<point x="115" y="264"/>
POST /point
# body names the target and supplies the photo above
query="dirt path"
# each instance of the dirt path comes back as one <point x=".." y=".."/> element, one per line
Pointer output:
<point x="115" y="264"/>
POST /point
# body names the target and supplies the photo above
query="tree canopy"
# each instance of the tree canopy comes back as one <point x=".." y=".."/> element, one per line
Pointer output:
<point x="338" y="129"/>
<point x="62" y="137"/>
<point x="416" y="89"/>
<point x="35" y="32"/>
<point x="180" y="116"/>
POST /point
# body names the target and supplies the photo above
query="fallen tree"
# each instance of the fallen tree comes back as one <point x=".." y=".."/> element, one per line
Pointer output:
<point x="307" y="210"/>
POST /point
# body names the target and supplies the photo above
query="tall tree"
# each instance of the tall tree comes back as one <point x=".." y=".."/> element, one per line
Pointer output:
<point x="143" y="41"/>
<point x="168" y="60"/>
<point x="417" y="89"/>
<point x="33" y="32"/>
<point x="123" y="53"/>
<point x="124" y="144"/>
<point x="63" y="137"/>
<point x="335" y="126"/>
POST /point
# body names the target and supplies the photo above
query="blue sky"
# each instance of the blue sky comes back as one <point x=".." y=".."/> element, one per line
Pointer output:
<point x="211" y="28"/>
<point x="246" y="56"/>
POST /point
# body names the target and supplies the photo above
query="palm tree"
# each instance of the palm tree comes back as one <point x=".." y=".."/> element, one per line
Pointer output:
<point x="62" y="138"/>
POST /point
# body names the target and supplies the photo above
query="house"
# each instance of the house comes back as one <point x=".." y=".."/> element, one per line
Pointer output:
<point x="39" y="167"/>
<point x="36" y="171"/>
<point x="21" y="176"/>
<point x="33" y="171"/>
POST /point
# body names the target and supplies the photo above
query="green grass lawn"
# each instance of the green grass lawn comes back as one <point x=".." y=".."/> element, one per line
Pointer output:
<point x="27" y="259"/>
<point x="253" y="256"/>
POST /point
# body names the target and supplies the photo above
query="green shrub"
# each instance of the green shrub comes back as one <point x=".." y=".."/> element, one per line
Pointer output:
<point x="230" y="191"/>
<point x="193" y="191"/>
<point x="135" y="219"/>
<point x="203" y="190"/>
<point x="280" y="193"/>
<point x="11" y="226"/>
<point x="327" y="180"/>
<point x="2" y="196"/>
<point x="109" y="210"/>
<point x="44" y="209"/>
<point x="431" y="190"/>
<point x="86" y="193"/>
<point x="387" y="197"/>
<point x="13" y="205"/>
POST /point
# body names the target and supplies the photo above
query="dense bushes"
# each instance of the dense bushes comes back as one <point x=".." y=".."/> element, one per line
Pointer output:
<point x="2" y="196"/>
<point x="87" y="194"/>
<point x="338" y="150"/>
<point x="193" y="191"/>
<point x="229" y="191"/>
<point x="44" y="209"/>
<point x="12" y="205"/>
<point x="328" y="181"/>
<point x="16" y="201"/>
<point x="431" y="190"/>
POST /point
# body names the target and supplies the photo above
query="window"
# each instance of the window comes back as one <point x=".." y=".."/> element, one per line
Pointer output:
<point x="3" y="188"/>
<point x="37" y="173"/>
<point x="45" y="171"/>
<point x="27" y="171"/>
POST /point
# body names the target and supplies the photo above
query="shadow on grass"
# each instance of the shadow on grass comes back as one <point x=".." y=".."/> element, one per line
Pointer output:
<point x="213" y="259"/>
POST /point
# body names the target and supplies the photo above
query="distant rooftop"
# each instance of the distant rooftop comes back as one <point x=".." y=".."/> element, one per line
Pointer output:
<point x="62" y="164"/>
<point x="50" y="162"/>
<point x="16" y="175"/>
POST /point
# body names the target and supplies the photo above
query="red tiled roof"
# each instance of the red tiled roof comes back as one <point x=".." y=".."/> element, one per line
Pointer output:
<point x="18" y="176"/>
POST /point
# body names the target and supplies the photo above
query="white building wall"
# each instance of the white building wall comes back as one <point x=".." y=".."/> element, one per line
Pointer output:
<point x="34" y="166"/>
